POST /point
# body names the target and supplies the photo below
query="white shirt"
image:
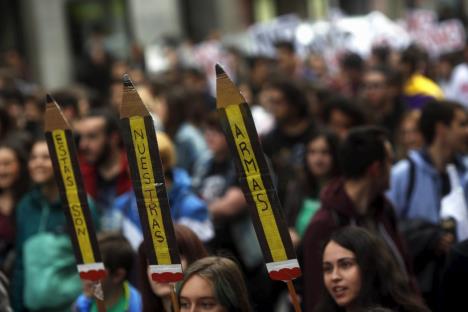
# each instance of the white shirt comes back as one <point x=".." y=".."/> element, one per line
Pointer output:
<point x="458" y="86"/>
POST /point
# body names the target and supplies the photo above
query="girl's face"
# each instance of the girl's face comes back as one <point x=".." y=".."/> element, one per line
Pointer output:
<point x="40" y="164"/>
<point x="319" y="160"/>
<point x="341" y="274"/>
<point x="197" y="295"/>
<point x="9" y="167"/>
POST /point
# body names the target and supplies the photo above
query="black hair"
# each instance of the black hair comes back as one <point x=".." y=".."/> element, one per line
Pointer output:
<point x="286" y="45"/>
<point x="12" y="94"/>
<point x="362" y="147"/>
<point x="294" y="95"/>
<point x="116" y="251"/>
<point x="382" y="282"/>
<point x="435" y="112"/>
<point x="253" y="61"/>
<point x="347" y="107"/>
<point x="110" y="118"/>
<point x="352" y="61"/>
<point x="381" y="53"/>
<point x="311" y="184"/>
<point x="413" y="57"/>
<point x="20" y="149"/>
<point x="195" y="72"/>
<point x="212" y="122"/>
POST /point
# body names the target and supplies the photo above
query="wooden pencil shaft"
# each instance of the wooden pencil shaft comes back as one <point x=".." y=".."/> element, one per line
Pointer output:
<point x="292" y="293"/>
<point x="101" y="306"/>
<point x="175" y="302"/>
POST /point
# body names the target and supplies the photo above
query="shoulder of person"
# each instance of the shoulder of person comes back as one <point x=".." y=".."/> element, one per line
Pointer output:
<point x="322" y="223"/>
<point x="402" y="166"/>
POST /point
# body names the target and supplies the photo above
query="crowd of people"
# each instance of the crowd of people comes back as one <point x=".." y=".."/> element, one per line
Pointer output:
<point x="367" y="160"/>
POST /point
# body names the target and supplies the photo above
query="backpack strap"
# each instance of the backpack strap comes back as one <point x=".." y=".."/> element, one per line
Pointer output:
<point x="410" y="187"/>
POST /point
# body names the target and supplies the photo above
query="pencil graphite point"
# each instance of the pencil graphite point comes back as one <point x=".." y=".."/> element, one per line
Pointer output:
<point x="127" y="81"/>
<point x="219" y="70"/>
<point x="49" y="98"/>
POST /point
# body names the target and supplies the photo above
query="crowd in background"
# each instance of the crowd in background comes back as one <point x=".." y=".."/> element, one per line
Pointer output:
<point x="366" y="146"/>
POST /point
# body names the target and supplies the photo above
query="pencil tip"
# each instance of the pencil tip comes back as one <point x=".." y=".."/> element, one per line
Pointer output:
<point x="219" y="70"/>
<point x="49" y="98"/>
<point x="126" y="81"/>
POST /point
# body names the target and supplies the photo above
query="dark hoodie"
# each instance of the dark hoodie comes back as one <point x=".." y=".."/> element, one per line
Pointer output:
<point x="336" y="211"/>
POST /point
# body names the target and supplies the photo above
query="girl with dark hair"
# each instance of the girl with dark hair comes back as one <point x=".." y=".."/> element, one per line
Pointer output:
<point x="213" y="284"/>
<point x="359" y="273"/>
<point x="14" y="182"/>
<point x="44" y="277"/>
<point x="320" y="166"/>
<point x="156" y="296"/>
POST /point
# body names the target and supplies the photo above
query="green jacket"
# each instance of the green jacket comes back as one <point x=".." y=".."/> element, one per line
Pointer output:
<point x="31" y="209"/>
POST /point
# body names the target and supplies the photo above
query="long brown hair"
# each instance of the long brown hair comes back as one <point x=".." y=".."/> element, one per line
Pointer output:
<point x="227" y="281"/>
<point x="382" y="282"/>
<point x="190" y="247"/>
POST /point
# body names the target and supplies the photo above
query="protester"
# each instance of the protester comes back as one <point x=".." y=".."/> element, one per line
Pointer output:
<point x="377" y="102"/>
<point x="213" y="282"/>
<point x="156" y="296"/>
<point x="217" y="183"/>
<point x="356" y="198"/>
<point x="420" y="182"/>
<point x="444" y="126"/>
<point x="119" y="296"/>
<point x="355" y="280"/>
<point x="45" y="275"/>
<point x="316" y="69"/>
<point x="14" y="182"/>
<point x="319" y="167"/>
<point x="349" y="80"/>
<point x="103" y="163"/>
<point x="341" y="114"/>
<point x="288" y="63"/>
<point x="285" y="143"/>
<point x="259" y="73"/>
<point x="215" y="178"/>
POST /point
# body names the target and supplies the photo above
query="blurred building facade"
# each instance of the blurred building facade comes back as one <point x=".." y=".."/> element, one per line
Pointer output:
<point x="53" y="34"/>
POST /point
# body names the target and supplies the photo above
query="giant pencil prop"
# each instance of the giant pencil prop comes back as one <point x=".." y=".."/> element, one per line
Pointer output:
<point x="255" y="180"/>
<point x="72" y="193"/>
<point x="150" y="190"/>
